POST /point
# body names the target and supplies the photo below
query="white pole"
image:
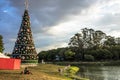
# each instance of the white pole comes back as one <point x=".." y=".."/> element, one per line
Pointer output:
<point x="26" y="4"/>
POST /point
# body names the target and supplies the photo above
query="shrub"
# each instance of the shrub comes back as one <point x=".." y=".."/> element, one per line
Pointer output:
<point x="89" y="58"/>
<point x="29" y="61"/>
<point x="72" y="70"/>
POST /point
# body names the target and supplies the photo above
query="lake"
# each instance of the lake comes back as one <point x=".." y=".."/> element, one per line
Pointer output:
<point x="100" y="72"/>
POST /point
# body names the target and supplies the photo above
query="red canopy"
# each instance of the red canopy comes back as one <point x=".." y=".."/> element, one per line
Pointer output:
<point x="9" y="64"/>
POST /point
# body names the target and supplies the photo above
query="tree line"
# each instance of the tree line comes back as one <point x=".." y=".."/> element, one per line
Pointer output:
<point x="1" y="44"/>
<point x="86" y="45"/>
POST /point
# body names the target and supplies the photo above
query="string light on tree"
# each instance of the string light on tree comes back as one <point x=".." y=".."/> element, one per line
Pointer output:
<point x="24" y="45"/>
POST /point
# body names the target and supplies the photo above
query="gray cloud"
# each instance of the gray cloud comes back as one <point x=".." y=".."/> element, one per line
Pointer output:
<point x="45" y="14"/>
<point x="51" y="12"/>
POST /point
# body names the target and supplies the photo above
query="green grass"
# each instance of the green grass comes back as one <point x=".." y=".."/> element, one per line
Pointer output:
<point x="40" y="72"/>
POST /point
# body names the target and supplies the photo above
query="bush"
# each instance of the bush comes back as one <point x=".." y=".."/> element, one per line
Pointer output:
<point x="29" y="61"/>
<point x="89" y="58"/>
<point x="72" y="70"/>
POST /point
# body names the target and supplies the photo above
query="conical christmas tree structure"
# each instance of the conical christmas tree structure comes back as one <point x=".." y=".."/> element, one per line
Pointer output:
<point x="24" y="45"/>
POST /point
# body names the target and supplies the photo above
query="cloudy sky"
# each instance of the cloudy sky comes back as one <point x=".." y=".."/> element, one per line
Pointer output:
<point x="54" y="22"/>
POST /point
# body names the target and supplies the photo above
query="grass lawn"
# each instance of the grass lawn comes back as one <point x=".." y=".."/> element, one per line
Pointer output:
<point x="40" y="72"/>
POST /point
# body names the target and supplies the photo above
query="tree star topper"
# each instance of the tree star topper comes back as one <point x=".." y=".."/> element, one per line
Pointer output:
<point x="26" y="4"/>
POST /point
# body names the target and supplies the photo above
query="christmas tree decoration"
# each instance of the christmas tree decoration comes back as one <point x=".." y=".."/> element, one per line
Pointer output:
<point x="24" y="45"/>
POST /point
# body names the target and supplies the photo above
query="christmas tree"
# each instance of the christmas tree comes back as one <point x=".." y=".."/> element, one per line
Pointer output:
<point x="24" y="48"/>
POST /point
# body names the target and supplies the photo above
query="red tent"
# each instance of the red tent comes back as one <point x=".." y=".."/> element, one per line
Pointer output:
<point x="9" y="64"/>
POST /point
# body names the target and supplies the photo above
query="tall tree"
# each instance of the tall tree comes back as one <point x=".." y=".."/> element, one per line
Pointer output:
<point x="117" y="40"/>
<point x="99" y="38"/>
<point x="110" y="41"/>
<point x="78" y="41"/>
<point x="88" y="38"/>
<point x="1" y="44"/>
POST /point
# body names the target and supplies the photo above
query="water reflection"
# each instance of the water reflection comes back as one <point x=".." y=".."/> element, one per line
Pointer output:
<point x="100" y="72"/>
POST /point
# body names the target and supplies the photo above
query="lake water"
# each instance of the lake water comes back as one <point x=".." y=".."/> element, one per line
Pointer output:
<point x="100" y="72"/>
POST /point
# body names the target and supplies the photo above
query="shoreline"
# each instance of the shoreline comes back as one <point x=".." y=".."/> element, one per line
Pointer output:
<point x="102" y="63"/>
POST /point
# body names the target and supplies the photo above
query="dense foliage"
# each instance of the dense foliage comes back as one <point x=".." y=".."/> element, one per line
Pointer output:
<point x="88" y="45"/>
<point x="1" y="44"/>
<point x="59" y="54"/>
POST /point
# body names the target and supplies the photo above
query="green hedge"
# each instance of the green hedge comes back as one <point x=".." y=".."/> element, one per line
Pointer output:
<point x="29" y="61"/>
